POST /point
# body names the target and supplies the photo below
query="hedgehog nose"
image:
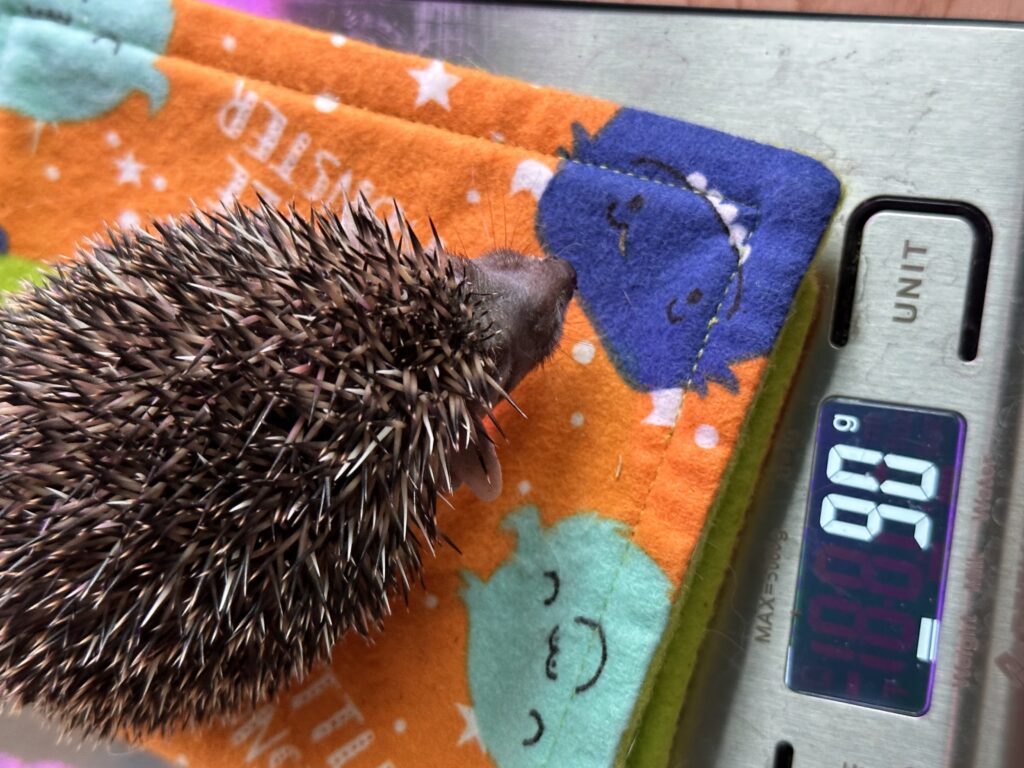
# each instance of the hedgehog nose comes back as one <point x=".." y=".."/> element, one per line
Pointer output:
<point x="564" y="276"/>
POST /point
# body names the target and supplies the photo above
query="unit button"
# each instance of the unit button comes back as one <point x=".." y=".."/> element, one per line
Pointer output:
<point x="913" y="278"/>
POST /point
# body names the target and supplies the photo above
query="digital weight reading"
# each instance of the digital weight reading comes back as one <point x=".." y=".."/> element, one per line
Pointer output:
<point x="873" y="564"/>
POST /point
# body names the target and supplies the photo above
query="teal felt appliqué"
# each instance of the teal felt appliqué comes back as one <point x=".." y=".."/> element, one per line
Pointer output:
<point x="560" y="640"/>
<point x="67" y="60"/>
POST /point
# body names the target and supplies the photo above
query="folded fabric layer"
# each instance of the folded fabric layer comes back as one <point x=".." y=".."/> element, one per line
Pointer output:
<point x="538" y="643"/>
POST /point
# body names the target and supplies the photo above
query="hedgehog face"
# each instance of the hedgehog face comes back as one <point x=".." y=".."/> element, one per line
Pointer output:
<point x="528" y="300"/>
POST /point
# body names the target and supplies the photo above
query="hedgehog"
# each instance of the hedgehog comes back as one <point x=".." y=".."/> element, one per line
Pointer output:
<point x="222" y="443"/>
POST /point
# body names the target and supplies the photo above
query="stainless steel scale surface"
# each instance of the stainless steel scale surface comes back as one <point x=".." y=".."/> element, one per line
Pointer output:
<point x="911" y="110"/>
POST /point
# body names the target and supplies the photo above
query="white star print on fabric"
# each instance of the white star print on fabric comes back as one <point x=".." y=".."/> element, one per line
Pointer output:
<point x="531" y="176"/>
<point x="434" y="84"/>
<point x="129" y="170"/>
<point x="471" y="732"/>
<point x="665" y="404"/>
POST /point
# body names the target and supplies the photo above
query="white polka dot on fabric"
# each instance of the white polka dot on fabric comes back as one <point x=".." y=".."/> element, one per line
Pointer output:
<point x="112" y="139"/>
<point x="430" y="600"/>
<point x="325" y="102"/>
<point x="473" y="196"/>
<point x="51" y="172"/>
<point x="524" y="487"/>
<point x="583" y="352"/>
<point x="576" y="419"/>
<point x="128" y="219"/>
<point x="400" y="725"/>
<point x="159" y="183"/>
<point x="228" y="43"/>
<point x="338" y="40"/>
<point x="705" y="436"/>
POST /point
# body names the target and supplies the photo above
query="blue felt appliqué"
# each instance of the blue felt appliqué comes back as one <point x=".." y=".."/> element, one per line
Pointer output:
<point x="688" y="243"/>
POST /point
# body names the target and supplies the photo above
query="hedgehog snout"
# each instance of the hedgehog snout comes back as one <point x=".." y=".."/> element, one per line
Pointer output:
<point x="552" y="286"/>
<point x="527" y="297"/>
<point x="564" y="277"/>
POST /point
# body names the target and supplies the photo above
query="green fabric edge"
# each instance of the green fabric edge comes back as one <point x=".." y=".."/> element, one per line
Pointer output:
<point x="660" y="702"/>
<point x="16" y="270"/>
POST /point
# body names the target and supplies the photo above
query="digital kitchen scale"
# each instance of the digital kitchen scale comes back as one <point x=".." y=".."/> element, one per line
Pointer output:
<point x="874" y="613"/>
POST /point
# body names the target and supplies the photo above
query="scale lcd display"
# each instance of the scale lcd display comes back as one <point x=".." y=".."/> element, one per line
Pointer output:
<point x="876" y="543"/>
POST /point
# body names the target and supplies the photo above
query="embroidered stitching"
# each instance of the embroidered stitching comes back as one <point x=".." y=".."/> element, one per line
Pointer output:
<point x="697" y="183"/>
<point x="712" y="322"/>
<point x="738" y="243"/>
<point x="741" y="248"/>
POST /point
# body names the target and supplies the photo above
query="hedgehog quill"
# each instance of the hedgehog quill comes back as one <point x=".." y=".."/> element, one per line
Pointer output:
<point x="221" y="445"/>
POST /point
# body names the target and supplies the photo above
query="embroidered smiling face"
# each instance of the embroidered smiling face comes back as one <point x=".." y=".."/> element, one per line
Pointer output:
<point x="76" y="59"/>
<point x="560" y="639"/>
<point x="660" y="252"/>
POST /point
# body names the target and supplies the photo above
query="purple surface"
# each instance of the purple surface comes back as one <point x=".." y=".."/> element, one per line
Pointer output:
<point x="269" y="8"/>
<point x="9" y="761"/>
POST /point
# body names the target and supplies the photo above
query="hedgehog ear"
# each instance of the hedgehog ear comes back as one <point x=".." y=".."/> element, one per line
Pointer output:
<point x="478" y="467"/>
